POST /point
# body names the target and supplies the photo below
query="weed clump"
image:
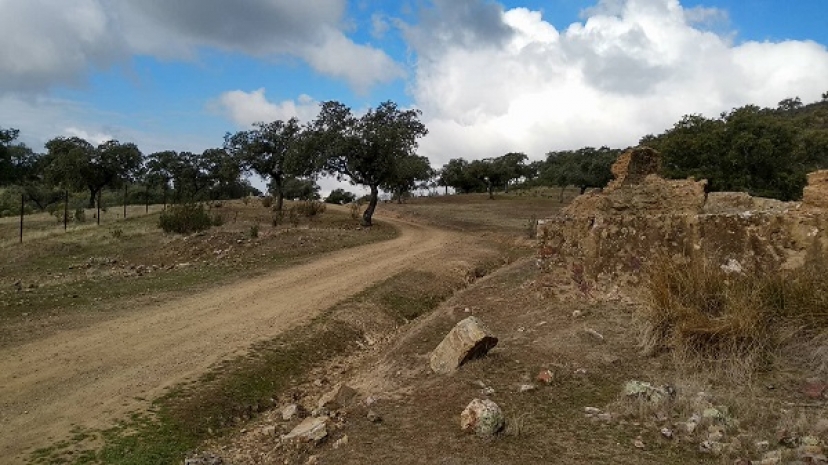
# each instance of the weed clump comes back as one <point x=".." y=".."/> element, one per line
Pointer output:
<point x="186" y="219"/>
<point x="703" y="312"/>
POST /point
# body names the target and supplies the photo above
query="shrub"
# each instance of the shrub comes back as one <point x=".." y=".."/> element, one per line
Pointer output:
<point x="218" y="220"/>
<point x="254" y="231"/>
<point x="80" y="215"/>
<point x="701" y="312"/>
<point x="116" y="233"/>
<point x="267" y="201"/>
<point x="185" y="219"/>
<point x="310" y="208"/>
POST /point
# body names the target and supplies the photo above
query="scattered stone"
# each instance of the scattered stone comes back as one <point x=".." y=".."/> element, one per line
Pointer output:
<point x="715" y="433"/>
<point x="312" y="460"/>
<point x="592" y="410"/>
<point x="762" y="445"/>
<point x="605" y="417"/>
<point x="581" y="371"/>
<point x="638" y="443"/>
<point x="370" y="400"/>
<point x="310" y="430"/>
<point x="526" y="387"/>
<point x="591" y="333"/>
<point x="487" y="391"/>
<point x="545" y="377"/>
<point x="483" y="417"/>
<point x="577" y="314"/>
<point x="713" y="447"/>
<point x="645" y="391"/>
<point x="469" y="339"/>
<point x="290" y="412"/>
<point x="269" y="430"/>
<point x="341" y="442"/>
<point x="667" y="433"/>
<point x="373" y="417"/>
<point x="732" y="266"/>
<point x="338" y="397"/>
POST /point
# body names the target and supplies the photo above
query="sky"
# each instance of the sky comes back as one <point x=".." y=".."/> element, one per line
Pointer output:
<point x="490" y="77"/>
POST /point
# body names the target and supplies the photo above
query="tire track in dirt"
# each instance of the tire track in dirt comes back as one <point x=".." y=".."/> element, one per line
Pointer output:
<point x="92" y="375"/>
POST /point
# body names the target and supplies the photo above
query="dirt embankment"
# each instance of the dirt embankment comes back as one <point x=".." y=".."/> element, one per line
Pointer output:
<point x="89" y="376"/>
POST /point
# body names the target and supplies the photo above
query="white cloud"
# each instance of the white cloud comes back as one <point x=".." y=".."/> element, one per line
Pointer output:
<point x="246" y="108"/>
<point x="632" y="67"/>
<point x="44" y="43"/>
<point x="95" y="138"/>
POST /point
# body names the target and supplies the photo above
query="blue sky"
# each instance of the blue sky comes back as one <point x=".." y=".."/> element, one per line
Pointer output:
<point x="490" y="77"/>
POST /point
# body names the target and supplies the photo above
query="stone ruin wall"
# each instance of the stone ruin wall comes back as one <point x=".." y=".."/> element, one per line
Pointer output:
<point x="639" y="214"/>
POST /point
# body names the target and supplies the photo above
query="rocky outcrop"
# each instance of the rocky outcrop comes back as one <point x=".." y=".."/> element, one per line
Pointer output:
<point x="633" y="166"/>
<point x="815" y="193"/>
<point x="482" y="417"/>
<point x="468" y="339"/>
<point x="640" y="214"/>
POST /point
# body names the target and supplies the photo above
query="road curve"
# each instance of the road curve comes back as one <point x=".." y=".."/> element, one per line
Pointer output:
<point x="92" y="375"/>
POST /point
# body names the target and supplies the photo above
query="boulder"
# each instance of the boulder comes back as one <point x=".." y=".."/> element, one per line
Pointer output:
<point x="482" y="417"/>
<point x="290" y="412"/>
<point x="469" y="339"/>
<point x="338" y="397"/>
<point x="310" y="430"/>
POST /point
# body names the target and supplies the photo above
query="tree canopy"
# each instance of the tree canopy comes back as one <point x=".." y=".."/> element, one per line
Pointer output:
<point x="764" y="152"/>
<point x="371" y="150"/>
<point x="75" y="163"/>
<point x="272" y="150"/>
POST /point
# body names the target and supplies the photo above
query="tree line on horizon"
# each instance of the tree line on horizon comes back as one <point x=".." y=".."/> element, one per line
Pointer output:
<point x="763" y="151"/>
<point x="376" y="150"/>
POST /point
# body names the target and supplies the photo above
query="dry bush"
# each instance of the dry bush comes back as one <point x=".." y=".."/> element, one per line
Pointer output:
<point x="703" y="314"/>
<point x="310" y="208"/>
<point x="267" y="201"/>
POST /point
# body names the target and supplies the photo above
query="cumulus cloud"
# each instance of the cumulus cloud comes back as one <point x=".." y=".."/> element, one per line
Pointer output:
<point x="49" y="42"/>
<point x="629" y="68"/>
<point x="246" y="108"/>
<point x="43" y="42"/>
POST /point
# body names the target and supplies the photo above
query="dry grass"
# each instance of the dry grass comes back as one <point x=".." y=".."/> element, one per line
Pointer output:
<point x="704" y="314"/>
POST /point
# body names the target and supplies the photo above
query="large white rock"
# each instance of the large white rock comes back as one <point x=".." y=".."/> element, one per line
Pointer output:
<point x="310" y="430"/>
<point x="483" y="417"/>
<point x="468" y="339"/>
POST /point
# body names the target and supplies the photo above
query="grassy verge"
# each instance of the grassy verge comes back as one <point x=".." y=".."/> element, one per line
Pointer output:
<point x="237" y="389"/>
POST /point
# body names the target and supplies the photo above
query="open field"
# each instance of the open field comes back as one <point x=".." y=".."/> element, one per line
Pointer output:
<point x="209" y="372"/>
<point x="100" y="323"/>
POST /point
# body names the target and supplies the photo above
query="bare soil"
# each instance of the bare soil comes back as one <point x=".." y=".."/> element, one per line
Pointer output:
<point x="86" y="377"/>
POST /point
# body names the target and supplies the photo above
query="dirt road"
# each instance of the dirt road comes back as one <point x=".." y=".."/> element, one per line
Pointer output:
<point x="92" y="375"/>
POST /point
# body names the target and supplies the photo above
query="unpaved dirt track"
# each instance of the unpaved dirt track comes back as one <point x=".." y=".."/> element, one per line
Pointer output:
<point x="92" y="375"/>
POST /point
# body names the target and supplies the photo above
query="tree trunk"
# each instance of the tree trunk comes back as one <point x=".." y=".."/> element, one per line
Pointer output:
<point x="372" y="205"/>
<point x="92" y="194"/>
<point x="491" y="191"/>
<point x="583" y="189"/>
<point x="560" y="198"/>
<point x="280" y="195"/>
